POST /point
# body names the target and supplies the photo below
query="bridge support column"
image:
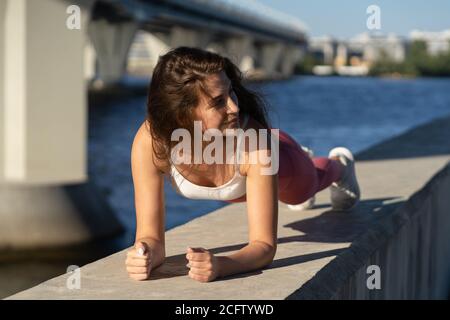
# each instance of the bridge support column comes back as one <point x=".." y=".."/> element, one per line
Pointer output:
<point x="216" y="47"/>
<point x="190" y="38"/>
<point x="328" y="53"/>
<point x="341" y="55"/>
<point x="2" y="84"/>
<point x="270" y="58"/>
<point x="290" y="58"/>
<point x="156" y="44"/>
<point x="44" y="197"/>
<point x="90" y="61"/>
<point x="242" y="52"/>
<point x="111" y="41"/>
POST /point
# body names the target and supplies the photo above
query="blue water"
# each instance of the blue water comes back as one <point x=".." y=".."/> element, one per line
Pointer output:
<point x="320" y="113"/>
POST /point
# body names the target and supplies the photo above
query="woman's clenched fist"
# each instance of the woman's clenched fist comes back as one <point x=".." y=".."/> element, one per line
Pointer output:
<point x="139" y="261"/>
<point x="204" y="266"/>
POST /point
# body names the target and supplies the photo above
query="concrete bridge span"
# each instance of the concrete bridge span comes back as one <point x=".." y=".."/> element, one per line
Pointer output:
<point x="258" y="39"/>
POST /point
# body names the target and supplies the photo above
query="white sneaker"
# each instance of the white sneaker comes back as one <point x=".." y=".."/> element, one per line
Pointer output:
<point x="345" y="193"/>
<point x="308" y="204"/>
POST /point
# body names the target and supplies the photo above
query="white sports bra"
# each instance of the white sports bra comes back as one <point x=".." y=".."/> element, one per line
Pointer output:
<point x="233" y="189"/>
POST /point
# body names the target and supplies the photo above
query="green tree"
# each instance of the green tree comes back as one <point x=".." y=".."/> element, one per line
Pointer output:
<point x="306" y="65"/>
<point x="418" y="62"/>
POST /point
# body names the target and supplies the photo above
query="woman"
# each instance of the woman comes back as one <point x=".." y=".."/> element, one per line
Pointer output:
<point x="191" y="85"/>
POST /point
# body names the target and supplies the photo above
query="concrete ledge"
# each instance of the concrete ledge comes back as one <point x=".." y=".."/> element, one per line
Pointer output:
<point x="411" y="245"/>
<point x="321" y="254"/>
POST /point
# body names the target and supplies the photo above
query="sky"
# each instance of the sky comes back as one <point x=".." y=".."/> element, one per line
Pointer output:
<point x="346" y="18"/>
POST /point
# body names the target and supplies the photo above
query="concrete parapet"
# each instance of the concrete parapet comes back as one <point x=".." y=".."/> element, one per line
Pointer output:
<point x="322" y="254"/>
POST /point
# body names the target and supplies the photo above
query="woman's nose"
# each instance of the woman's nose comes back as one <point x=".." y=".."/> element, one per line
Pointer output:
<point x="232" y="106"/>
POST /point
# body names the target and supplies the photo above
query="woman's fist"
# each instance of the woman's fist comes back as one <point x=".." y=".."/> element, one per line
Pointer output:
<point x="139" y="262"/>
<point x="203" y="264"/>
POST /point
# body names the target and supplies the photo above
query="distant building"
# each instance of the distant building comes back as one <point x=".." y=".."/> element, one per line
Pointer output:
<point x="356" y="55"/>
<point x="323" y="49"/>
<point x="372" y="47"/>
<point x="437" y="42"/>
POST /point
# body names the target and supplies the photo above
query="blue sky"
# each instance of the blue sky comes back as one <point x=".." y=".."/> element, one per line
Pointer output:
<point x="345" y="18"/>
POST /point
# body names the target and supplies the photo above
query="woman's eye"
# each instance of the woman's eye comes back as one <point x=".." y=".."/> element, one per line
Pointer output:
<point x="222" y="103"/>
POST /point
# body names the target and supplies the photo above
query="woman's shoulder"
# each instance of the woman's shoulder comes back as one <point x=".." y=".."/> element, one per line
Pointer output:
<point x="143" y="146"/>
<point x="255" y="148"/>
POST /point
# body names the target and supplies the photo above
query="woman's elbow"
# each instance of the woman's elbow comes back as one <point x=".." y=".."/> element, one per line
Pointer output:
<point x="272" y="250"/>
<point x="269" y="251"/>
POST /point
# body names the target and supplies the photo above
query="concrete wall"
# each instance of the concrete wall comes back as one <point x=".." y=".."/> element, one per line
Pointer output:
<point x="410" y="245"/>
<point x="415" y="259"/>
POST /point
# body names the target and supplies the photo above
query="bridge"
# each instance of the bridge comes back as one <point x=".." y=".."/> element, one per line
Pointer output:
<point x="46" y="197"/>
<point x="258" y="39"/>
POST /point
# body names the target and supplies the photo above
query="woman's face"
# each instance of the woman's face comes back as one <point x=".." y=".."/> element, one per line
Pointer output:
<point x="222" y="112"/>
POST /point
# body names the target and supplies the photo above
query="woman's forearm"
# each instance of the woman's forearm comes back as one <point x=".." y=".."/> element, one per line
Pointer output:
<point x="253" y="256"/>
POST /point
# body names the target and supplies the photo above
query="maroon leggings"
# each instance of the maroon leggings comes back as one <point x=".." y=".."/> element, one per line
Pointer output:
<point x="299" y="176"/>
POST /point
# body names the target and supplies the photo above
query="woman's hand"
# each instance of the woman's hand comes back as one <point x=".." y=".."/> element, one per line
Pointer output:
<point x="139" y="262"/>
<point x="203" y="264"/>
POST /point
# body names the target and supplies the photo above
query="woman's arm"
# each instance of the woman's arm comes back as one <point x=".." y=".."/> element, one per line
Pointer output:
<point x="149" y="196"/>
<point x="262" y="210"/>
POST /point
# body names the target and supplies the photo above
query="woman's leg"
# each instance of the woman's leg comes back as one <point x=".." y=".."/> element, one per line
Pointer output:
<point x="299" y="176"/>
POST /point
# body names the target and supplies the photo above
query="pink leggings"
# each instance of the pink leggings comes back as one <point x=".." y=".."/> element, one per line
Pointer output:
<point x="299" y="176"/>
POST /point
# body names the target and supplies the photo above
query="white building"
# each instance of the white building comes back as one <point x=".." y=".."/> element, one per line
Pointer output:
<point x="437" y="42"/>
<point x="373" y="46"/>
